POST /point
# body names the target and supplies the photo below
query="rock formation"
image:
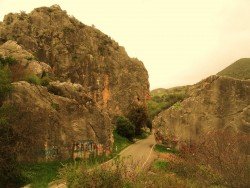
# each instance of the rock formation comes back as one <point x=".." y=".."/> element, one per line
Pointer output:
<point x="80" y="54"/>
<point x="214" y="103"/>
<point x="93" y="79"/>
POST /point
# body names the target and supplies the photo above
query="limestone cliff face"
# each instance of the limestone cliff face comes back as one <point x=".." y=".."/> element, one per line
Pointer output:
<point x="80" y="54"/>
<point x="214" y="103"/>
<point x="93" y="80"/>
<point x="55" y="119"/>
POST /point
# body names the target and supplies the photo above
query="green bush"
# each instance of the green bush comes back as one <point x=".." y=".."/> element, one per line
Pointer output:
<point x="7" y="61"/>
<point x="138" y="115"/>
<point x="45" y="81"/>
<point x="125" y="128"/>
<point x="33" y="79"/>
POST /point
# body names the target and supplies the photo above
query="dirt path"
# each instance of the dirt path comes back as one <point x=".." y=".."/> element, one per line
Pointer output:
<point x="141" y="152"/>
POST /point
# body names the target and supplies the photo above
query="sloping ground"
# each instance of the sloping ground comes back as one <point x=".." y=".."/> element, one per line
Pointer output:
<point x="240" y="69"/>
<point x="214" y="103"/>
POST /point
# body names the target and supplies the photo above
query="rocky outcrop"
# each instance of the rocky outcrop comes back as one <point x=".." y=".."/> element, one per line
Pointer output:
<point x="89" y="80"/>
<point x="26" y="62"/>
<point x="44" y="121"/>
<point x="214" y="103"/>
<point x="80" y="54"/>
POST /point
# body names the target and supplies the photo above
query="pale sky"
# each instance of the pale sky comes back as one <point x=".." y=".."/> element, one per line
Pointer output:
<point x="179" y="41"/>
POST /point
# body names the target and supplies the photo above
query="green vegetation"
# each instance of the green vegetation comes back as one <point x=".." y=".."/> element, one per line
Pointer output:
<point x="119" y="174"/>
<point x="163" y="149"/>
<point x="138" y="115"/>
<point x="161" y="165"/>
<point x="5" y="76"/>
<point x="55" y="106"/>
<point x="163" y="99"/>
<point x="125" y="128"/>
<point x="7" y="61"/>
<point x="45" y="80"/>
<point x="40" y="174"/>
<point x="240" y="69"/>
<point x="33" y="79"/>
<point x="120" y="143"/>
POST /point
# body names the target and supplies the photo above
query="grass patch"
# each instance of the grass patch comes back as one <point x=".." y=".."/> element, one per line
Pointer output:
<point x="119" y="143"/>
<point x="40" y="174"/>
<point x="160" y="165"/>
<point x="163" y="149"/>
<point x="144" y="135"/>
<point x="33" y="79"/>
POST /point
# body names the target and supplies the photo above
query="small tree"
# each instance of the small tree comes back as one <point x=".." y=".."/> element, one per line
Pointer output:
<point x="138" y="115"/>
<point x="125" y="128"/>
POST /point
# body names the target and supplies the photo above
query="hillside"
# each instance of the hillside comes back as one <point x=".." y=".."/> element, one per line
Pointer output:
<point x="239" y="69"/>
<point x="162" y="99"/>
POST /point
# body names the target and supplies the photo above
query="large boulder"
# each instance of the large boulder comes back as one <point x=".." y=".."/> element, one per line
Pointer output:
<point x="214" y="103"/>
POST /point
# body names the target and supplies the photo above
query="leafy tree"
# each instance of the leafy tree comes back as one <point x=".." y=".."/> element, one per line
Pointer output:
<point x="138" y="115"/>
<point x="125" y="128"/>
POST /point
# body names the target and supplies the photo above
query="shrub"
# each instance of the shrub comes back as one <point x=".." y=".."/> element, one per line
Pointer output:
<point x="33" y="79"/>
<point x="45" y="81"/>
<point x="218" y="157"/>
<point x="119" y="173"/>
<point x="7" y="61"/>
<point x="138" y="115"/>
<point x="125" y="128"/>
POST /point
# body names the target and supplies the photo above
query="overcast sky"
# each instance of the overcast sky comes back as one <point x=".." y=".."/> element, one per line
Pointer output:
<point x="179" y="41"/>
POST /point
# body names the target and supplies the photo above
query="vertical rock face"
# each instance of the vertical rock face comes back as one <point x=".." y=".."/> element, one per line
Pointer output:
<point x="94" y="80"/>
<point x="214" y="103"/>
<point x="80" y="54"/>
<point x="47" y="122"/>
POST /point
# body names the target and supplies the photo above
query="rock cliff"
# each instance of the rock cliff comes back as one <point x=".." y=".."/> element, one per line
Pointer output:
<point x="214" y="103"/>
<point x="80" y="54"/>
<point x="92" y="79"/>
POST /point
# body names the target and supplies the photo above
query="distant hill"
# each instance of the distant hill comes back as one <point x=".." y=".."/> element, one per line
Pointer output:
<point x="162" y="99"/>
<point x="162" y="91"/>
<point x="240" y="69"/>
